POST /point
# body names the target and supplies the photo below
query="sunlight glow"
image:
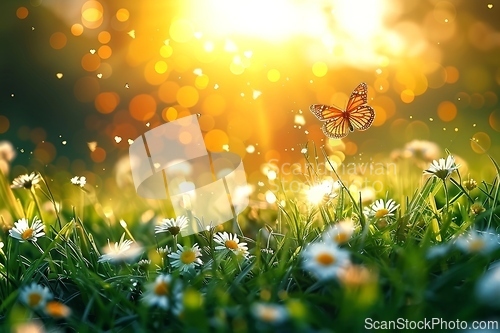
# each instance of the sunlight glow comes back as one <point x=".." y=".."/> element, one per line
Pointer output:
<point x="349" y="31"/>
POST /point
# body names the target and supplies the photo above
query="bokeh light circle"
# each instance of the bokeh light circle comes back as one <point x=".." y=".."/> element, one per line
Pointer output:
<point x="142" y="107"/>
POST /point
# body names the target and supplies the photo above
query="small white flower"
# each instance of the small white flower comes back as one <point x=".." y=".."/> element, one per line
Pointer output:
<point x="172" y="226"/>
<point x="123" y="251"/>
<point x="478" y="242"/>
<point x="324" y="260"/>
<point x="269" y="313"/>
<point x="158" y="292"/>
<point x="80" y="181"/>
<point x="35" y="296"/>
<point x="381" y="208"/>
<point x="23" y="232"/>
<point x="230" y="242"/>
<point x="26" y="181"/>
<point x="186" y="257"/>
<point x="339" y="232"/>
<point x="144" y="263"/>
<point x="163" y="251"/>
<point x="488" y="288"/>
<point x="442" y="168"/>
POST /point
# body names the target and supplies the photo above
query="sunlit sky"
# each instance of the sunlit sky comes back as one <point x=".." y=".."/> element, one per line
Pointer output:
<point x="108" y="71"/>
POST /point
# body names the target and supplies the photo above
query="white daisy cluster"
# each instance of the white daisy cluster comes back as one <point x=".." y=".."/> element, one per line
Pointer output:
<point x="79" y="181"/>
<point x="472" y="242"/>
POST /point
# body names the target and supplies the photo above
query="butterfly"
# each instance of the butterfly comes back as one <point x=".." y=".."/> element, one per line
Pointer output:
<point x="357" y="115"/>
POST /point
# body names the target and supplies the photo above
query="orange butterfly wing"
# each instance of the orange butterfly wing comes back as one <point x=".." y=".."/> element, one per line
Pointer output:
<point x="337" y="124"/>
<point x="357" y="115"/>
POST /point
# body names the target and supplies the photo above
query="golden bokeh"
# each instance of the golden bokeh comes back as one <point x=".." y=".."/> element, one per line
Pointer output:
<point x="407" y="96"/>
<point x="98" y="155"/>
<point x="142" y="107"/>
<point x="214" y="105"/>
<point x="104" y="37"/>
<point x="90" y="62"/>
<point x="447" y="111"/>
<point x="92" y="11"/>
<point x="187" y="96"/>
<point x="215" y="140"/>
<point x="319" y="69"/>
<point x="494" y="120"/>
<point x="480" y="142"/>
<point x="273" y="75"/>
<point x="22" y="13"/>
<point x="104" y="52"/>
<point x="167" y="92"/>
<point x="122" y="14"/>
<point x="58" y="40"/>
<point x="76" y="29"/>
<point x="201" y="81"/>
<point x="106" y="102"/>
<point x="4" y="124"/>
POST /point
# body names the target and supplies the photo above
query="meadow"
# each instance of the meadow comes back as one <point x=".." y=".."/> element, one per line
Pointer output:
<point x="323" y="259"/>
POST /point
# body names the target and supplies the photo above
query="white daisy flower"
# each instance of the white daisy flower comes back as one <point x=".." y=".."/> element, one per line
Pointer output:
<point x="270" y="313"/>
<point x="230" y="242"/>
<point x="26" y="181"/>
<point x="381" y="208"/>
<point x="158" y="292"/>
<point x="35" y="296"/>
<point x="23" y="232"/>
<point x="324" y="260"/>
<point x="186" y="257"/>
<point x="488" y="288"/>
<point x="172" y="226"/>
<point x="123" y="251"/>
<point x="442" y="168"/>
<point x="478" y="242"/>
<point x="339" y="232"/>
<point x="80" y="181"/>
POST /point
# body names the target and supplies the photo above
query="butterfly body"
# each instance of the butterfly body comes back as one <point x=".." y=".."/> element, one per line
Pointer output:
<point x="357" y="115"/>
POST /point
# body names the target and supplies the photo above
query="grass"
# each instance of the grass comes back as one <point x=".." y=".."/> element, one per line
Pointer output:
<point x="429" y="259"/>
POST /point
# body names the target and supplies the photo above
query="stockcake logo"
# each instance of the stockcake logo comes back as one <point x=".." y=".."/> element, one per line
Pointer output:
<point x="171" y="161"/>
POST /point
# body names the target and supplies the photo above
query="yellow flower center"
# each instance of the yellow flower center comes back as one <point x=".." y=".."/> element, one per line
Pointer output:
<point x="325" y="259"/>
<point x="28" y="233"/>
<point x="57" y="309"/>
<point x="476" y="245"/>
<point x="231" y="244"/>
<point x="341" y="238"/>
<point x="34" y="299"/>
<point x="162" y="289"/>
<point x="188" y="257"/>
<point x="381" y="213"/>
